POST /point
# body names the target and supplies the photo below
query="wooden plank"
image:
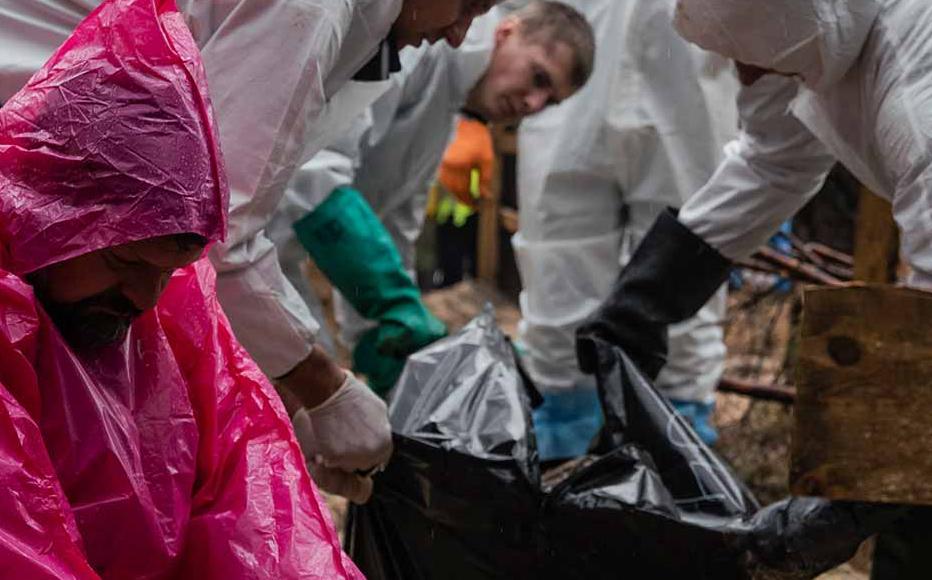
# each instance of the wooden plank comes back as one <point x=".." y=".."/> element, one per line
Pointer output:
<point x="799" y="269"/>
<point x="779" y="394"/>
<point x="509" y="219"/>
<point x="864" y="395"/>
<point x="876" y="240"/>
<point x="506" y="139"/>
<point x="488" y="236"/>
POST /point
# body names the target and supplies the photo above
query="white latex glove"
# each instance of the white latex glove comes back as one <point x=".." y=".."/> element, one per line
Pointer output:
<point x="349" y="432"/>
<point x="356" y="488"/>
<point x="346" y="434"/>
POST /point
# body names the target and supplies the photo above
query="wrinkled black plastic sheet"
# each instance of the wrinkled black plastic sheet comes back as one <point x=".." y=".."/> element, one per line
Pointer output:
<point x="462" y="496"/>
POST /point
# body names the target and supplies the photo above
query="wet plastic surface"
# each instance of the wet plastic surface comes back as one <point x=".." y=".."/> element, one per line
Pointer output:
<point x="113" y="138"/>
<point x="462" y="497"/>
<point x="167" y="454"/>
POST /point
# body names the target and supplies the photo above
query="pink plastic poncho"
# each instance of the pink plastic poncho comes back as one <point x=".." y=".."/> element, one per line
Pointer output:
<point x="169" y="454"/>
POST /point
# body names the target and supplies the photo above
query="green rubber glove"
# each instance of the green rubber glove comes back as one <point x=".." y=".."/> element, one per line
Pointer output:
<point x="382" y="371"/>
<point x="351" y="246"/>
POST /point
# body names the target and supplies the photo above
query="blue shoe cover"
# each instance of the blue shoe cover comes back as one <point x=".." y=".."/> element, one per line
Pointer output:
<point x="567" y="422"/>
<point x="699" y="416"/>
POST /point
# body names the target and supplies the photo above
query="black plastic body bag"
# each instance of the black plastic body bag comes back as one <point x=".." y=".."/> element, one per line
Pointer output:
<point x="462" y="496"/>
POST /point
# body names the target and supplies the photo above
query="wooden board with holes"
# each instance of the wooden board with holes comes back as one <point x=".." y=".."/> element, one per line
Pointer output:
<point x="863" y="421"/>
<point x="876" y="240"/>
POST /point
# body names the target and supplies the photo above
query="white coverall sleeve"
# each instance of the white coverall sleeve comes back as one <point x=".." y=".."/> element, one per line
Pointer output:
<point x="773" y="168"/>
<point x="266" y="99"/>
<point x="32" y="31"/>
<point x="332" y="167"/>
<point x="329" y="169"/>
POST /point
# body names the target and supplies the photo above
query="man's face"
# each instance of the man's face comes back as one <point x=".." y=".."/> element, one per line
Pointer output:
<point x="523" y="76"/>
<point x="433" y="20"/>
<point x="93" y="298"/>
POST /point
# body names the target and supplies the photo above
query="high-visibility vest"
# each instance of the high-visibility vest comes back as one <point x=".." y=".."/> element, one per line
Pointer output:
<point x="465" y="172"/>
<point x="444" y="205"/>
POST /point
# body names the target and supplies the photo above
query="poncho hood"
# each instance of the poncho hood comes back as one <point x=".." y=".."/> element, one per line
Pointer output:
<point x="112" y="141"/>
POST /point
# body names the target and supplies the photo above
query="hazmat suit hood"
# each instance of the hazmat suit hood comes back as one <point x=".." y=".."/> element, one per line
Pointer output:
<point x="112" y="141"/>
<point x="818" y="40"/>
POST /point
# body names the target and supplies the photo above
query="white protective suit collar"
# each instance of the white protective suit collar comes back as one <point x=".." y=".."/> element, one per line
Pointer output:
<point x="471" y="60"/>
<point x="817" y="39"/>
<point x="371" y="22"/>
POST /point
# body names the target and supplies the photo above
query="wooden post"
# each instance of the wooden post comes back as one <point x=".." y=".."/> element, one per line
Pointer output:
<point x="876" y="241"/>
<point x="508" y="218"/>
<point x="488" y="238"/>
<point x="864" y="396"/>
<point x="785" y="394"/>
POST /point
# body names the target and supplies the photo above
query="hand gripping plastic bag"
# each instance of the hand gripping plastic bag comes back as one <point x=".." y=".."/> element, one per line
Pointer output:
<point x="463" y="495"/>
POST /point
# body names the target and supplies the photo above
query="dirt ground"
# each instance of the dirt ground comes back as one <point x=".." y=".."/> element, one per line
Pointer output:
<point x="755" y="435"/>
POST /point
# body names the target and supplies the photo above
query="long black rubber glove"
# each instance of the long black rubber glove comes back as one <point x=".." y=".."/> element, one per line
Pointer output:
<point x="672" y="274"/>
<point x="351" y="246"/>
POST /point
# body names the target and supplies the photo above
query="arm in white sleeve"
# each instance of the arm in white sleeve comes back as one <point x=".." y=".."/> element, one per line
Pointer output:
<point x="911" y="211"/>
<point x="266" y="63"/>
<point x="334" y="166"/>
<point x="774" y="167"/>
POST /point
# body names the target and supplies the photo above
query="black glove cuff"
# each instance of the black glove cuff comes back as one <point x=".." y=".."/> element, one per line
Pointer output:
<point x="672" y="274"/>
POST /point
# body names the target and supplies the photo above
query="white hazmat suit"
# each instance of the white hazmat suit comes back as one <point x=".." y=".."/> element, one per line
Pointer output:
<point x="290" y="123"/>
<point x="864" y="99"/>
<point x="594" y="173"/>
<point x="861" y="94"/>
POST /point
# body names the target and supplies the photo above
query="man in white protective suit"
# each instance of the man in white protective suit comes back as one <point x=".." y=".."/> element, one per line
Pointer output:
<point x="593" y="174"/>
<point x="823" y="80"/>
<point x="509" y="67"/>
<point x="284" y="76"/>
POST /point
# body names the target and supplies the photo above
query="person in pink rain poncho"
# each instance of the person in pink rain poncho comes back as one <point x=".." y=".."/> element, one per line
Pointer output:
<point x="137" y="437"/>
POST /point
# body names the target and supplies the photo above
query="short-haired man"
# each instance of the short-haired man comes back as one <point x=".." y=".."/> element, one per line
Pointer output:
<point x="511" y="66"/>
